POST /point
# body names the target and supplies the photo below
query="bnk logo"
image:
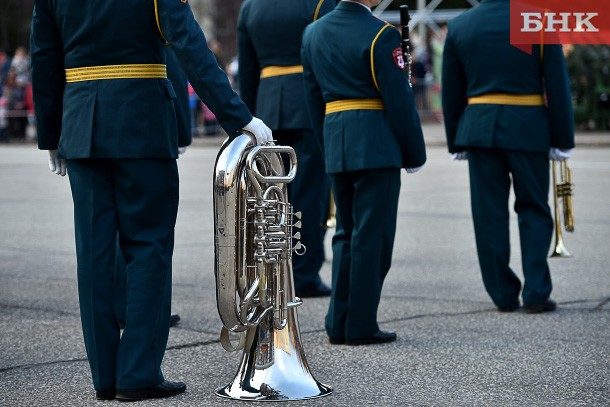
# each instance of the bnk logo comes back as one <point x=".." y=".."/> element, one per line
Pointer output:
<point x="562" y="22"/>
<point x="559" y="22"/>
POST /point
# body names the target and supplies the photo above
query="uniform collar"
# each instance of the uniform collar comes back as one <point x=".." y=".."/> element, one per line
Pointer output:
<point x="352" y="5"/>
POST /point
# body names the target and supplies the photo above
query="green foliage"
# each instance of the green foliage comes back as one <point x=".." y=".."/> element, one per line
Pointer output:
<point x="589" y="70"/>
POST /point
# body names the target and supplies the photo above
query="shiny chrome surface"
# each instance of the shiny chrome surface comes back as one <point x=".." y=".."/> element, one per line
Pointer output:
<point x="253" y="227"/>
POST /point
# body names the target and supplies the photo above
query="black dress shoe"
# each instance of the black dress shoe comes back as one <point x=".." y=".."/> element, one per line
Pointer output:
<point x="165" y="389"/>
<point x="336" y="340"/>
<point x="509" y="308"/>
<point x="322" y="290"/>
<point x="173" y="320"/>
<point x="379" y="337"/>
<point x="548" y="305"/>
<point x="105" y="394"/>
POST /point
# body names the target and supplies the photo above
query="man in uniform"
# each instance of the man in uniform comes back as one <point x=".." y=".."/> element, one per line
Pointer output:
<point x="271" y="84"/>
<point x="495" y="116"/>
<point x="105" y="111"/>
<point x="364" y="118"/>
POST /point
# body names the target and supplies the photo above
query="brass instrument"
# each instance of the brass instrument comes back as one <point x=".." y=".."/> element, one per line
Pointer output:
<point x="331" y="221"/>
<point x="253" y="245"/>
<point x="563" y="188"/>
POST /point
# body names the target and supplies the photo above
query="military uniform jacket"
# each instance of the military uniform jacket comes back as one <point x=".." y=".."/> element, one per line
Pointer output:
<point x="350" y="54"/>
<point x="478" y="60"/>
<point x="179" y="81"/>
<point x="120" y="118"/>
<point x="269" y="34"/>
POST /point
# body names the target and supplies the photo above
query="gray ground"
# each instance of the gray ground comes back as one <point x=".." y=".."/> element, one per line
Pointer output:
<point x="453" y="349"/>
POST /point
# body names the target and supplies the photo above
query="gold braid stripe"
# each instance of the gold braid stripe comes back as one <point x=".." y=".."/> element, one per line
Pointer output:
<point x="159" y="23"/>
<point x="315" y="15"/>
<point x="354" y="104"/>
<point x="280" y="70"/>
<point x="373" y="56"/>
<point x="507" y="99"/>
<point x="128" y="71"/>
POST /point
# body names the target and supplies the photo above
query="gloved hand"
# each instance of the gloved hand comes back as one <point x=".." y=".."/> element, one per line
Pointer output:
<point x="462" y="155"/>
<point x="181" y="150"/>
<point x="414" y="170"/>
<point x="56" y="165"/>
<point x="261" y="132"/>
<point x="559" y="155"/>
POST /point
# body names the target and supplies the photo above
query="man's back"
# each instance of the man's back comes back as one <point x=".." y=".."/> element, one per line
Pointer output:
<point x="351" y="55"/>
<point x="269" y="35"/>
<point x="480" y="60"/>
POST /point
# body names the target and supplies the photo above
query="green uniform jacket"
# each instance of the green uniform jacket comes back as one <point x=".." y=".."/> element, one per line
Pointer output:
<point x="120" y="118"/>
<point x="492" y="65"/>
<point x="269" y="34"/>
<point x="179" y="82"/>
<point x="348" y="54"/>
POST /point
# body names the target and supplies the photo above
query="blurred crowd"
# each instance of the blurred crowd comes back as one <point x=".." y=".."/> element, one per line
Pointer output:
<point x="16" y="104"/>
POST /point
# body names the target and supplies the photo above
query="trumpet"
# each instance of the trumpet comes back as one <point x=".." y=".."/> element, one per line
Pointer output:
<point x="563" y="188"/>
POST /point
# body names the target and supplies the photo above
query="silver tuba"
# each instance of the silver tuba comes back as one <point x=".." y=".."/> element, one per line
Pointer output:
<point x="253" y="224"/>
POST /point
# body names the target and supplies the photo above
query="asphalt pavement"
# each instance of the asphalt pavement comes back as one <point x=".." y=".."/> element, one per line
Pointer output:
<point x="453" y="347"/>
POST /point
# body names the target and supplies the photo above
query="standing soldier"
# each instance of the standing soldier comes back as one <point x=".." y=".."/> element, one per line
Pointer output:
<point x="364" y="117"/>
<point x="105" y="111"/>
<point x="271" y="84"/>
<point x="495" y="116"/>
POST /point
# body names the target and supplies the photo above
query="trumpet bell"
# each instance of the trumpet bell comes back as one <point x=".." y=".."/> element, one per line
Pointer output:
<point x="560" y="250"/>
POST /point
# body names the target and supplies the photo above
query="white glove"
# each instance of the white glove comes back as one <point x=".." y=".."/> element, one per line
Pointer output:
<point x="181" y="150"/>
<point x="261" y="132"/>
<point x="414" y="170"/>
<point x="459" y="156"/>
<point x="56" y="165"/>
<point x="559" y="155"/>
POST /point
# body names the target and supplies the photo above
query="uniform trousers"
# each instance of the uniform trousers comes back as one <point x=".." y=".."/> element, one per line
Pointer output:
<point x="138" y="199"/>
<point x="367" y="205"/>
<point x="309" y="193"/>
<point x="491" y="172"/>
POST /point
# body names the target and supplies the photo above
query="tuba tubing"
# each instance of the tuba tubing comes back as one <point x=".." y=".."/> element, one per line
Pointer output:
<point x="253" y="245"/>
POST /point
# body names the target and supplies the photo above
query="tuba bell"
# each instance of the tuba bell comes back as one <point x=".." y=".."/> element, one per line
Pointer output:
<point x="563" y="188"/>
<point x="253" y="246"/>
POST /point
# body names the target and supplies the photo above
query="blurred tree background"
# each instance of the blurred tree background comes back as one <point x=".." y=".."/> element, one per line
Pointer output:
<point x="589" y="69"/>
<point x="15" y="17"/>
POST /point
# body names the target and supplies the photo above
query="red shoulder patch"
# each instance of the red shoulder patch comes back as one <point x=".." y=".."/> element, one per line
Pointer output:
<point x="399" y="58"/>
<point x="184" y="1"/>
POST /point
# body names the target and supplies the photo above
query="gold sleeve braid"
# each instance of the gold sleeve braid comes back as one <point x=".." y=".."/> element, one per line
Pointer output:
<point x="373" y="54"/>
